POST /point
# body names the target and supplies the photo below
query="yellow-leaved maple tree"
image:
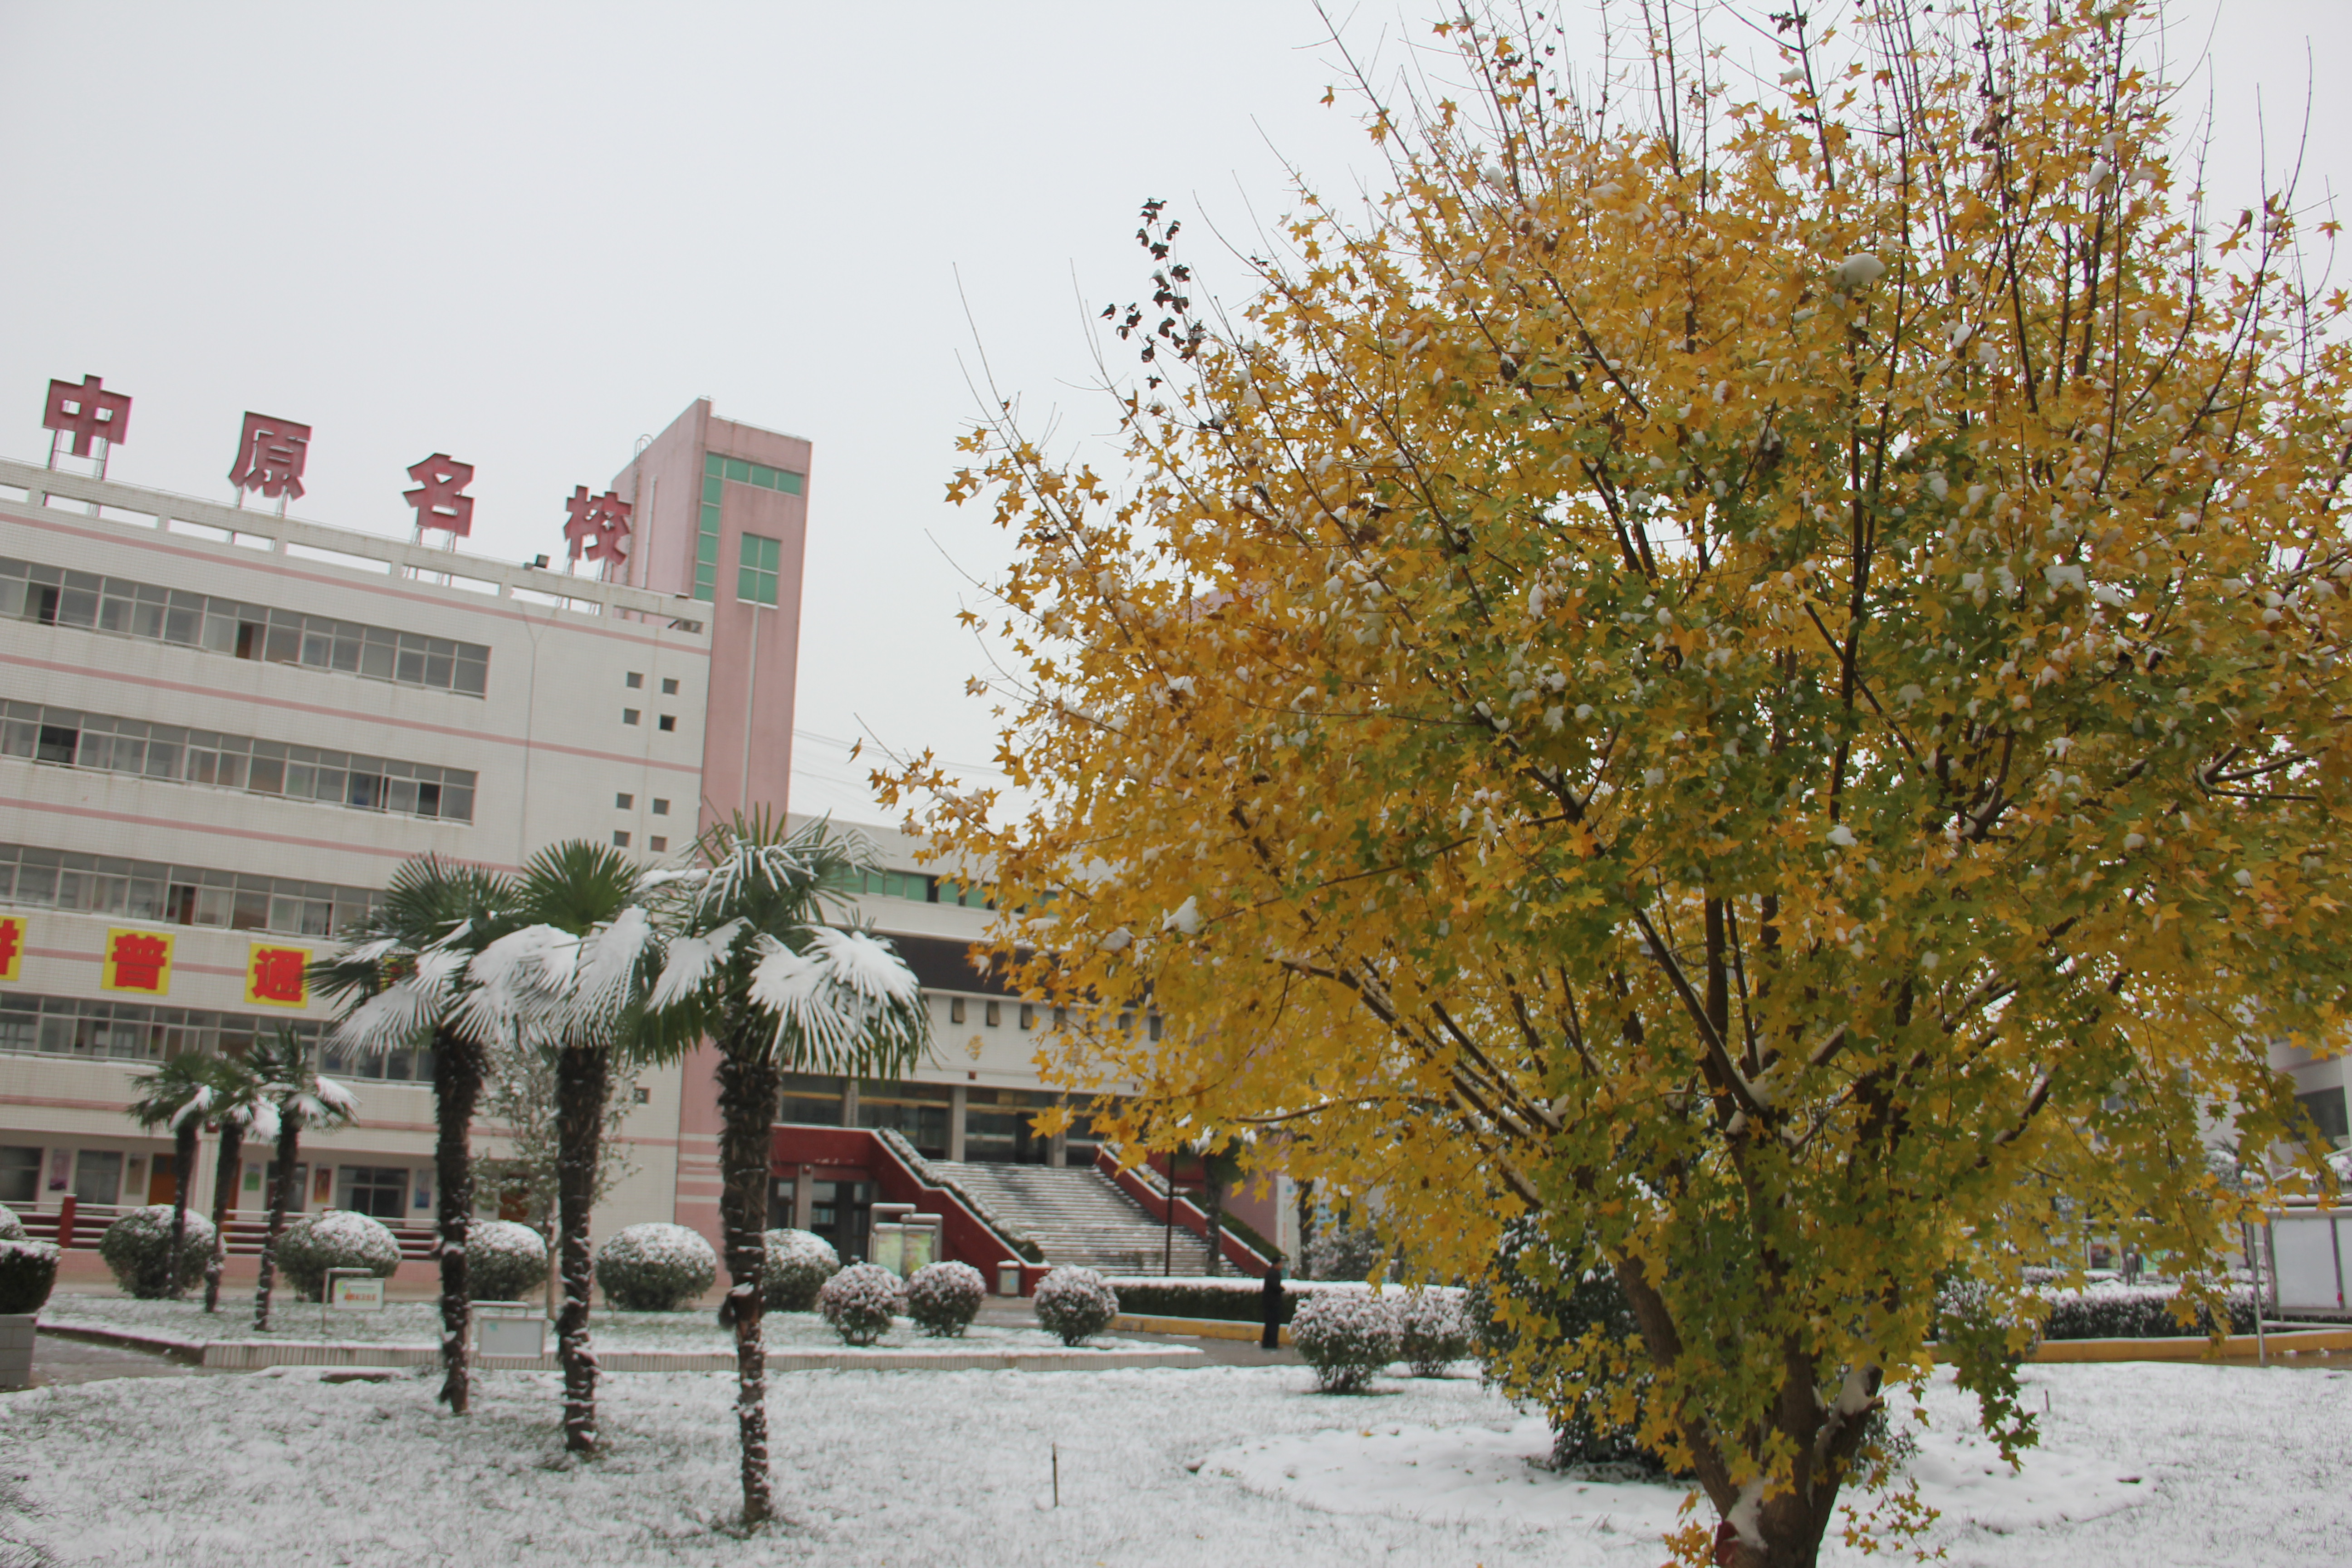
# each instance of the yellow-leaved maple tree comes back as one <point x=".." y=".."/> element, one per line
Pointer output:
<point x="1761" y="682"/>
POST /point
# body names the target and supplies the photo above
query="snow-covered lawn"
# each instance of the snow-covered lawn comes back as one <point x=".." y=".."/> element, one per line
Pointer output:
<point x="419" y="1323"/>
<point x="2142" y="1465"/>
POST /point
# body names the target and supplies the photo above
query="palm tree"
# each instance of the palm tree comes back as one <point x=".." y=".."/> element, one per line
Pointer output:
<point x="178" y="1095"/>
<point x="573" y="983"/>
<point x="292" y="1084"/>
<point x="240" y="1110"/>
<point x="402" y="974"/>
<point x="750" y="966"/>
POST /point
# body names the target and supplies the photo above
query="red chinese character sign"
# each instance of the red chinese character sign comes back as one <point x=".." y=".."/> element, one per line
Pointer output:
<point x="138" y="961"/>
<point x="277" y="977"/>
<point x="88" y="413"/>
<point x="270" y="457"/>
<point x="439" y="504"/>
<point x="599" y="525"/>
<point x="12" y="946"/>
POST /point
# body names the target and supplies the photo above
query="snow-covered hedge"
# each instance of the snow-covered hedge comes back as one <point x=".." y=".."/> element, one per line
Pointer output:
<point x="1433" y="1332"/>
<point x="27" y="1271"/>
<point x="2134" y="1312"/>
<point x="798" y="1264"/>
<point x="1347" y="1338"/>
<point x="1075" y="1303"/>
<point x="504" y="1261"/>
<point x="134" y="1248"/>
<point x="331" y="1238"/>
<point x="944" y="1298"/>
<point x="656" y="1267"/>
<point x="860" y="1302"/>
<point x="10" y="1228"/>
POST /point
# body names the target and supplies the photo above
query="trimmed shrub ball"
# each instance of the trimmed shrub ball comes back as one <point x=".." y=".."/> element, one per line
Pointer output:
<point x="1346" y="1336"/>
<point x="10" y="1228"/>
<point x="798" y="1264"/>
<point x="944" y="1298"/>
<point x="334" y="1238"/>
<point x="134" y="1246"/>
<point x="1433" y="1332"/>
<point x="1075" y="1303"/>
<point x="656" y="1267"/>
<point x="503" y="1260"/>
<point x="860" y="1302"/>
<point x="27" y="1271"/>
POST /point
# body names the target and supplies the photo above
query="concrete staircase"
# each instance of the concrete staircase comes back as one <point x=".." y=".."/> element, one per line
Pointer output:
<point x="1079" y="1216"/>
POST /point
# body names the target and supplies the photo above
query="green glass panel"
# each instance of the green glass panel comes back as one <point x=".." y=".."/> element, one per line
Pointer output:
<point x="714" y="489"/>
<point x="706" y="550"/>
<point x="737" y="469"/>
<point x="759" y="551"/>
<point x="791" y="485"/>
<point x="713" y="463"/>
<point x="763" y="475"/>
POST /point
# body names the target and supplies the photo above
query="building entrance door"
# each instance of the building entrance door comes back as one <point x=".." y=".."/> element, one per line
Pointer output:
<point x="164" y="1181"/>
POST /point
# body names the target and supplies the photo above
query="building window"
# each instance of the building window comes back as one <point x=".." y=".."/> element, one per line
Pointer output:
<point x="657" y="843"/>
<point x="178" y="755"/>
<point x="716" y="471"/>
<point x="949" y="891"/>
<point x="98" y="1176"/>
<point x="755" y="580"/>
<point x="623" y="801"/>
<point x="2327" y="1112"/>
<point x="122" y="1031"/>
<point x="1154" y="1023"/>
<point x="381" y="1191"/>
<point x="811" y="1100"/>
<point x="54" y="597"/>
<point x="661" y="806"/>
<point x="890" y="884"/>
<point x="668" y="722"/>
<point x="1028" y="1016"/>
<point x="634" y="680"/>
<point x="628" y="715"/>
<point x="640" y="1095"/>
<point x="995" y="1015"/>
<point x="955" y="1009"/>
<point x="669" y="686"/>
<point x="620" y="839"/>
<point x="179" y="895"/>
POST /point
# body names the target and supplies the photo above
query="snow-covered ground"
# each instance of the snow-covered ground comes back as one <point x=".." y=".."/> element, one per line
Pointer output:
<point x="419" y="1323"/>
<point x="2141" y="1465"/>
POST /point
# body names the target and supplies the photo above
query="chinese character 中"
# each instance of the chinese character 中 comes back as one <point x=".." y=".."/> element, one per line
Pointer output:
<point x="270" y="456"/>
<point x="438" y="505"/>
<point x="88" y="413"/>
<point x="278" y="974"/>
<point x="138" y="962"/>
<point x="601" y="523"/>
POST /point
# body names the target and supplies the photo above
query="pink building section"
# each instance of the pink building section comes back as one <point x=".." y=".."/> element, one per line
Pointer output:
<point x="747" y="760"/>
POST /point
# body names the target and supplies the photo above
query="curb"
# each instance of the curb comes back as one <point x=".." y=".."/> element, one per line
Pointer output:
<point x="1194" y="1327"/>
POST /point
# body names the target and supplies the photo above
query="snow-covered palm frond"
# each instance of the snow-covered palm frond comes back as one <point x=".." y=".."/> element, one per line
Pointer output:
<point x="196" y="1108"/>
<point x="374" y="951"/>
<point x="610" y="959"/>
<point x="411" y="1007"/>
<point x="258" y="1121"/>
<point x="846" y="999"/>
<point x="688" y="964"/>
<point x="522" y="983"/>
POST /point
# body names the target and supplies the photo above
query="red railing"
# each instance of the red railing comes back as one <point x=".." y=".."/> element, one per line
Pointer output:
<point x="966" y="1235"/>
<point x="1188" y="1214"/>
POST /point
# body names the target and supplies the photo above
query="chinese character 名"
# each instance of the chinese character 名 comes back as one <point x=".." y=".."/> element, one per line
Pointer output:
<point x="599" y="523"/>
<point x="438" y="505"/>
<point x="270" y="456"/>
<point x="138" y="962"/>
<point x="277" y="975"/>
<point x="88" y="413"/>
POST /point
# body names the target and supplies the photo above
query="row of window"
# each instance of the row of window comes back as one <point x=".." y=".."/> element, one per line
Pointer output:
<point x="760" y="558"/>
<point x="177" y="895"/>
<point x="992" y="1014"/>
<point x="914" y="884"/>
<point x="234" y="761"/>
<point x="998" y="1123"/>
<point x="56" y="596"/>
<point x="128" y="1031"/>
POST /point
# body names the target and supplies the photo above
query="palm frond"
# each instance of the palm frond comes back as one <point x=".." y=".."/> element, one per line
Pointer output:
<point x="846" y="1002"/>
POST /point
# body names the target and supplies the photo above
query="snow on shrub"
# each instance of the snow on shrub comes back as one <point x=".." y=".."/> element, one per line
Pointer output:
<point x="656" y="1267"/>
<point x="27" y="1271"/>
<point x="860" y="1302"/>
<point x="134" y="1246"/>
<point x="1075" y="1303"/>
<point x="332" y="1239"/>
<point x="1346" y="1339"/>
<point x="504" y="1260"/>
<point x="2135" y="1312"/>
<point x="798" y="1264"/>
<point x="1433" y="1332"/>
<point x="944" y="1298"/>
<point x="10" y="1228"/>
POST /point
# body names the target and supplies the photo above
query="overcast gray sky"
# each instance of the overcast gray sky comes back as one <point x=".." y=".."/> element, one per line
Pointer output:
<point x="527" y="233"/>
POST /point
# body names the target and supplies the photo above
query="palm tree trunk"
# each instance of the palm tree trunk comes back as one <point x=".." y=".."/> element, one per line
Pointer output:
<point x="580" y="1089"/>
<point x="281" y="1189"/>
<point x="183" y="1170"/>
<point x="749" y="1085"/>
<point x="232" y="1139"/>
<point x="458" y="1063"/>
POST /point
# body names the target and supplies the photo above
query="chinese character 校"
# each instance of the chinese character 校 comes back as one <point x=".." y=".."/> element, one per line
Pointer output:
<point x="270" y="456"/>
<point x="600" y="524"/>
<point x="88" y="413"/>
<point x="279" y="976"/>
<point x="438" y="505"/>
<point x="137" y="961"/>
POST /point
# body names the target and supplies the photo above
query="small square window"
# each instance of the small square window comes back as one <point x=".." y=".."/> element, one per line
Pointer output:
<point x="624" y="801"/>
<point x="661" y="806"/>
<point x="668" y="721"/>
<point x="620" y="839"/>
<point x="641" y="1094"/>
<point x="635" y="679"/>
<point x="669" y="686"/>
<point x="657" y="843"/>
<point x="1028" y="1016"/>
<point x="1155" y="1027"/>
<point x="995" y="1015"/>
<point x="628" y="715"/>
<point x="955" y="1010"/>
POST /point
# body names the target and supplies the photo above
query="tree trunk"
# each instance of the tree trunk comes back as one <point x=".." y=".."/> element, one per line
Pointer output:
<point x="281" y="1189"/>
<point x="1301" y="1266"/>
<point x="458" y="1065"/>
<point x="1214" y="1194"/>
<point x="183" y="1166"/>
<point x="232" y="1139"/>
<point x="749" y="1085"/>
<point x="579" y="1088"/>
